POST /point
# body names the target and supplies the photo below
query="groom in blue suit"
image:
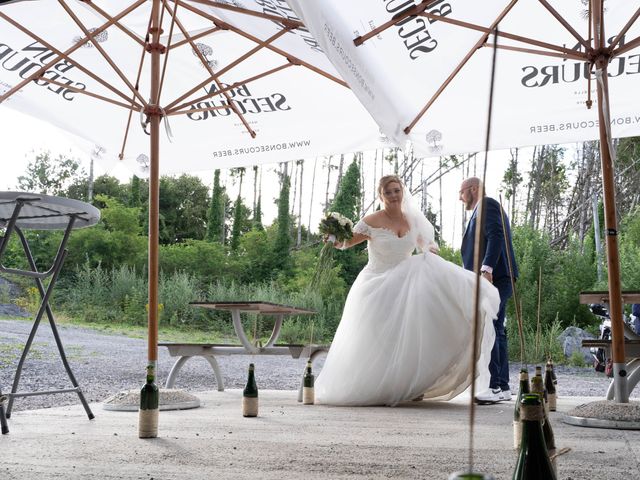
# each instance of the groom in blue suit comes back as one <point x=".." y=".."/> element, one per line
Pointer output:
<point x="495" y="268"/>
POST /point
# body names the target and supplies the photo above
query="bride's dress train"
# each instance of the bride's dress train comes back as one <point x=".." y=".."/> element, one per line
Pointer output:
<point x="406" y="328"/>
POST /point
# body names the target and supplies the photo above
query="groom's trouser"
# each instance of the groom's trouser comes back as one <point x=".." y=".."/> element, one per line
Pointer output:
<point x="499" y="364"/>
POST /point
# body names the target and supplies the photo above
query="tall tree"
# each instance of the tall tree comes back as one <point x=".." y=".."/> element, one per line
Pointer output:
<point x="511" y="180"/>
<point x="49" y="175"/>
<point x="347" y="202"/>
<point x="240" y="224"/>
<point x="257" y="215"/>
<point x="282" y="245"/>
<point x="313" y="186"/>
<point x="215" y="217"/>
<point x="183" y="208"/>
<point x="326" y="192"/>
<point x="299" y="233"/>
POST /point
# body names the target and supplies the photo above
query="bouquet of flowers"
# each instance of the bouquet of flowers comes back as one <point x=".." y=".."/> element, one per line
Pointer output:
<point x="335" y="227"/>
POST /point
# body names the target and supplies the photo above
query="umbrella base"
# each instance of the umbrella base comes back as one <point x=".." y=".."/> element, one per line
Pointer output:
<point x="170" y="399"/>
<point x="605" y="414"/>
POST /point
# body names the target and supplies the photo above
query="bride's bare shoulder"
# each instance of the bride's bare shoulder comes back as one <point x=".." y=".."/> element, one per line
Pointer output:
<point x="374" y="220"/>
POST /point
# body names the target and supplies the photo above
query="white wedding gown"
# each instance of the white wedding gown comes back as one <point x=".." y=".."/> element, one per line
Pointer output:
<point x="406" y="328"/>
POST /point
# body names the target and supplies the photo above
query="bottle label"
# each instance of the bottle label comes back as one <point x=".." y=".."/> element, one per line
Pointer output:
<point x="517" y="434"/>
<point x="308" y="395"/>
<point x="552" y="402"/>
<point x="531" y="413"/>
<point x="249" y="406"/>
<point x="148" y="423"/>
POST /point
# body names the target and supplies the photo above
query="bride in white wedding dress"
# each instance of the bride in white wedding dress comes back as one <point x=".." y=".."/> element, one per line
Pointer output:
<point x="406" y="329"/>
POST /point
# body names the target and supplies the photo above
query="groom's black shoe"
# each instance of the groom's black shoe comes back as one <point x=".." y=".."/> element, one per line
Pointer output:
<point x="491" y="396"/>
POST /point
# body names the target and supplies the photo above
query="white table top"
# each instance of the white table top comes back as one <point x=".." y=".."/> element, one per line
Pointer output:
<point x="46" y="212"/>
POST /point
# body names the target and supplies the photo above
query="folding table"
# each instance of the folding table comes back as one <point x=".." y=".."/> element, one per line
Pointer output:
<point x="21" y="210"/>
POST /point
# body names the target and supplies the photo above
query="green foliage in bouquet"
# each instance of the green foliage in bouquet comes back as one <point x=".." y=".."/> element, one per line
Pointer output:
<point x="335" y="227"/>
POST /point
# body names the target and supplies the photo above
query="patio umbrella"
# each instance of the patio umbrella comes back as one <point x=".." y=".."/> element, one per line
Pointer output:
<point x="422" y="70"/>
<point x="233" y="82"/>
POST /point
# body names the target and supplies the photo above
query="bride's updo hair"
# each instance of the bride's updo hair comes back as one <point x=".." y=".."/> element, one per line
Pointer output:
<point x="386" y="180"/>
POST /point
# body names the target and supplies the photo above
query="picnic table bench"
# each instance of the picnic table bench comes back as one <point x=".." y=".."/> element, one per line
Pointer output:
<point x="209" y="351"/>
<point x="631" y="338"/>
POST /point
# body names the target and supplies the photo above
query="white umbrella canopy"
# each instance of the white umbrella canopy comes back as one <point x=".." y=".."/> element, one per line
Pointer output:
<point x="239" y="83"/>
<point x="422" y="70"/>
<point x="538" y="98"/>
<point x="270" y="70"/>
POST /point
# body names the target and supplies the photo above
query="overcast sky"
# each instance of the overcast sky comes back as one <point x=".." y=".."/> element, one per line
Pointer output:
<point x="23" y="135"/>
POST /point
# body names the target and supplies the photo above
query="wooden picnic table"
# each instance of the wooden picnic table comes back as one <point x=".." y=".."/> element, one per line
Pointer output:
<point x="208" y="351"/>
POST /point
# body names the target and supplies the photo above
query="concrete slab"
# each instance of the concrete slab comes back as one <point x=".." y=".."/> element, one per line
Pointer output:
<point x="417" y="440"/>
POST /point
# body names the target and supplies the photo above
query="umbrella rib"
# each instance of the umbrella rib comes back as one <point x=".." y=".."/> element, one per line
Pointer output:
<point x="291" y="58"/>
<point x="565" y="56"/>
<point x="510" y="36"/>
<point x="274" y="49"/>
<point x="116" y="23"/>
<point x="104" y="54"/>
<point x="177" y="110"/>
<point x="70" y="50"/>
<point x="566" y="24"/>
<point x="228" y="67"/>
<point x="140" y="65"/>
<point x="215" y="78"/>
<point x="626" y="47"/>
<point x="62" y="55"/>
<point x="166" y="51"/>
<point x="624" y="30"/>
<point x="415" y="10"/>
<point x="85" y="92"/>
<point x="459" y="67"/>
<point x="274" y="18"/>
<point x="195" y="37"/>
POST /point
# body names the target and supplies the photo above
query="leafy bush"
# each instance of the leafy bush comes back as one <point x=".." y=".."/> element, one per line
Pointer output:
<point x="539" y="344"/>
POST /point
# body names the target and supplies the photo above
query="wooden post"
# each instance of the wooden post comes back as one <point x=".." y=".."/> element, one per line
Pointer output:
<point x="613" y="257"/>
<point x="154" y="185"/>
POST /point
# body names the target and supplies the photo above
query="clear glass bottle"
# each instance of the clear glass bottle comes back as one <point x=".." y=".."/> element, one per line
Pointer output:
<point x="149" y="406"/>
<point x="250" y="395"/>
<point x="533" y="459"/>
<point x="308" y="392"/>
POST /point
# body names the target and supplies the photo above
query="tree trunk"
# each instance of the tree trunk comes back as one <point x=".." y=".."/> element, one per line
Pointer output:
<point x="313" y="187"/>
<point x="299" y="239"/>
<point x="326" y="193"/>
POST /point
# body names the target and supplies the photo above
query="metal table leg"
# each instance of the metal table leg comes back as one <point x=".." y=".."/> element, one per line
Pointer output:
<point x="45" y="307"/>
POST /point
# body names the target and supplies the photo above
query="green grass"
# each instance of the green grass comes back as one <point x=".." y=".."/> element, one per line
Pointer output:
<point x="165" y="334"/>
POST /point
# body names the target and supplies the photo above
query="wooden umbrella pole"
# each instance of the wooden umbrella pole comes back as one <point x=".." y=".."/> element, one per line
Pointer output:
<point x="154" y="185"/>
<point x="601" y="61"/>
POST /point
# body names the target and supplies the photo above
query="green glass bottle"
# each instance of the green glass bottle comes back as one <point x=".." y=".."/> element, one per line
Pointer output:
<point x="522" y="389"/>
<point x="250" y="395"/>
<point x="533" y="459"/>
<point x="544" y="391"/>
<point x="308" y="392"/>
<point x="149" y="401"/>
<point x="550" y="387"/>
<point x="537" y="387"/>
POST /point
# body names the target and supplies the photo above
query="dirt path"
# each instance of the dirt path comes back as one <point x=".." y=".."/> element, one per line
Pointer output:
<point x="107" y="364"/>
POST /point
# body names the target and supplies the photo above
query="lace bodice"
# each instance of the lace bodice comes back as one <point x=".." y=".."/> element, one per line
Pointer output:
<point x="386" y="249"/>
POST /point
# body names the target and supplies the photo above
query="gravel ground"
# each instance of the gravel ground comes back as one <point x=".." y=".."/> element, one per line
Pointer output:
<point x="107" y="364"/>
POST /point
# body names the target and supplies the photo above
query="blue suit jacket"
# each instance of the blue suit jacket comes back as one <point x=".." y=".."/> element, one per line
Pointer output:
<point x="494" y="251"/>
